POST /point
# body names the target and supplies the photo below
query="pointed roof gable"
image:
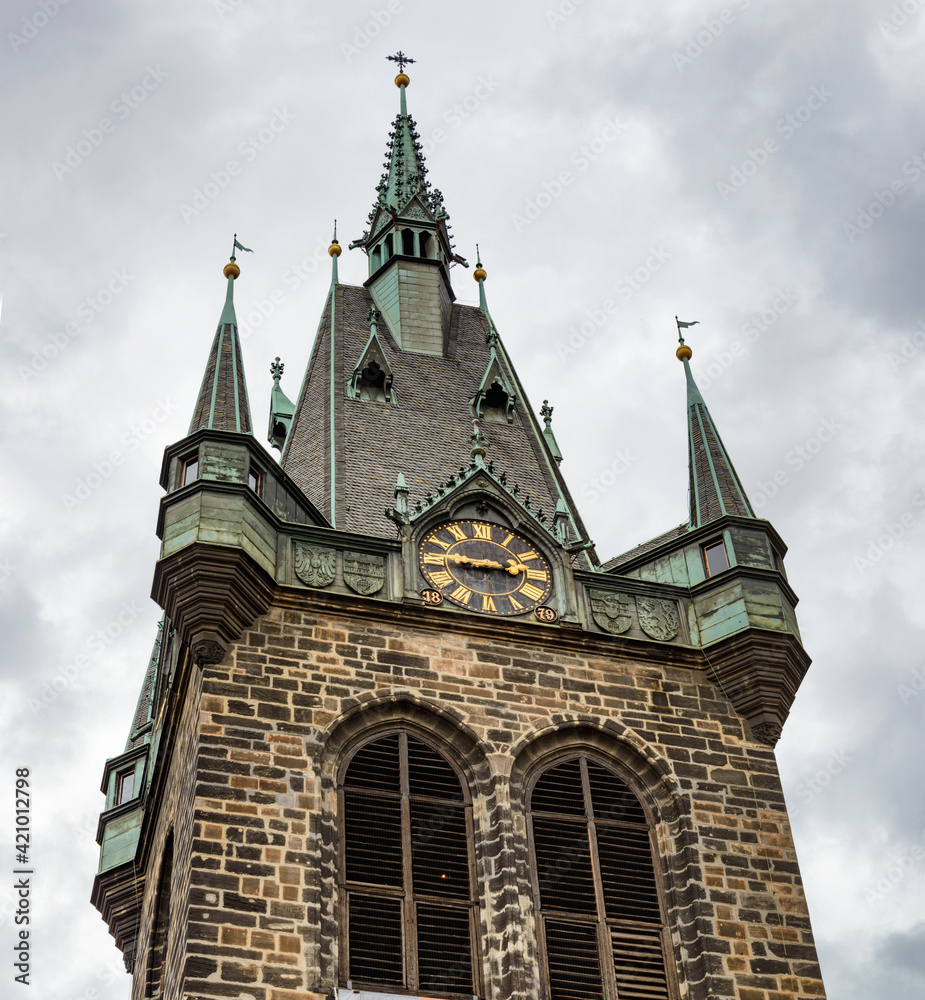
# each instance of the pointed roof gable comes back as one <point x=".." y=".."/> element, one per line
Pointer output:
<point x="715" y="488"/>
<point x="222" y="404"/>
<point x="423" y="435"/>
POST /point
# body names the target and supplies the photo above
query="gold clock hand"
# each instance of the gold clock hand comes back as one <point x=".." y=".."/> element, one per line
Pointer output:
<point x="515" y="567"/>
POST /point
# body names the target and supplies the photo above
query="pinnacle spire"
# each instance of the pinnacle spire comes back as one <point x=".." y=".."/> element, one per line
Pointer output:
<point x="222" y="403"/>
<point x="715" y="487"/>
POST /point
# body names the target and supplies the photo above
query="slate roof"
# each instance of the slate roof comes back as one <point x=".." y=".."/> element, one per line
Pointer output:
<point x="140" y="733"/>
<point x="222" y="404"/>
<point x="638" y="550"/>
<point x="424" y="434"/>
<point x="715" y="488"/>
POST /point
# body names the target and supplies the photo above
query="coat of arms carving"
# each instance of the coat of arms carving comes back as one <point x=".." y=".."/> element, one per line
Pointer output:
<point x="612" y="612"/>
<point x="658" y="619"/>
<point x="364" y="572"/>
<point x="314" y="564"/>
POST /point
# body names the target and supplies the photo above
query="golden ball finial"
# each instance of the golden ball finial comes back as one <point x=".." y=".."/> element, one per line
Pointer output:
<point x="402" y="80"/>
<point x="684" y="353"/>
<point x="231" y="270"/>
<point x="480" y="274"/>
<point x="335" y="249"/>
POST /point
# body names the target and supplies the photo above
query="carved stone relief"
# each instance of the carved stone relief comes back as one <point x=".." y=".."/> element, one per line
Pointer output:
<point x="314" y="564"/>
<point x="658" y="618"/>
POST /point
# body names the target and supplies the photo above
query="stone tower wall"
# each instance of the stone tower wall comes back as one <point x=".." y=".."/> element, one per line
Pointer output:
<point x="306" y="681"/>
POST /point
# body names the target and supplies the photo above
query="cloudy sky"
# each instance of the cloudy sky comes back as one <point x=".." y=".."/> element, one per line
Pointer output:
<point x="758" y="166"/>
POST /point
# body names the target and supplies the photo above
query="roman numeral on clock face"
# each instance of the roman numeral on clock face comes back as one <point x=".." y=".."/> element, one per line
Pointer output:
<point x="441" y="578"/>
<point x="434" y="559"/>
<point x="482" y="531"/>
<point x="537" y="574"/>
<point x="456" y="531"/>
<point x="488" y="603"/>
<point x="461" y="594"/>
<point x="530" y="592"/>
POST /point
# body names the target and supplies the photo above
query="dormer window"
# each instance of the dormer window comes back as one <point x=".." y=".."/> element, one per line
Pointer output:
<point x="189" y="469"/>
<point x="255" y="479"/>
<point x="715" y="559"/>
<point x="125" y="787"/>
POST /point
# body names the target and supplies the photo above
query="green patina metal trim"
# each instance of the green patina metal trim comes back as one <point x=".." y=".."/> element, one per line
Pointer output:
<point x="696" y="405"/>
<point x="333" y="435"/>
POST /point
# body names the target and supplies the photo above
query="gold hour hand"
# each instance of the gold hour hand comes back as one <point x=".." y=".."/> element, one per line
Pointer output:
<point x="475" y="563"/>
<point x="514" y="567"/>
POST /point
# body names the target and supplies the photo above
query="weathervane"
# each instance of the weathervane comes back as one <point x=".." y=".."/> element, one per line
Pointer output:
<point x="401" y="59"/>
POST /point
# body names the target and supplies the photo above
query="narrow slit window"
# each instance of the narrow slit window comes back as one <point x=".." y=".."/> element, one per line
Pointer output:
<point x="408" y="898"/>
<point x="126" y="791"/>
<point x="255" y="480"/>
<point x="714" y="557"/>
<point x="189" y="469"/>
<point x="602" y="933"/>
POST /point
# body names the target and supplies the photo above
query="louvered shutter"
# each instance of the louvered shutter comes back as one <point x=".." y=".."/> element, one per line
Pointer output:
<point x="407" y="870"/>
<point x="596" y="885"/>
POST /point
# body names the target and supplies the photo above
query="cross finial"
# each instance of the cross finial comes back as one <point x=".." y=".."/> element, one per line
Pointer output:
<point x="276" y="370"/>
<point x="401" y="59"/>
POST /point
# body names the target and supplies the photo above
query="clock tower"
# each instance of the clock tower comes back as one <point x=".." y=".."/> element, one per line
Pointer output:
<point x="403" y="732"/>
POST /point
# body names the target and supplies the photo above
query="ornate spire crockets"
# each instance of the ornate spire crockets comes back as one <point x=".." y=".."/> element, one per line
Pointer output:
<point x="222" y="404"/>
<point x="715" y="487"/>
<point x="405" y="180"/>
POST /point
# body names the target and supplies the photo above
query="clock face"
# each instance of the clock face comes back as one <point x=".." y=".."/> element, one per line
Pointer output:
<point x="485" y="567"/>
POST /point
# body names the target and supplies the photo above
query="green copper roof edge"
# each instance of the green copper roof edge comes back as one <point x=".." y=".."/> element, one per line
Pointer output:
<point x="316" y="345"/>
<point x="544" y="448"/>
<point x="333" y="429"/>
<point x="694" y="397"/>
<point x="153" y="663"/>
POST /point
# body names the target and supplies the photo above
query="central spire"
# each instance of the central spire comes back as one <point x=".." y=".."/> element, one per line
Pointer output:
<point x="408" y="240"/>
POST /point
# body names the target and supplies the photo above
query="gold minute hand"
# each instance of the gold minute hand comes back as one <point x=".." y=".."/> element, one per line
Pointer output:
<point x="476" y="563"/>
<point x="514" y="567"/>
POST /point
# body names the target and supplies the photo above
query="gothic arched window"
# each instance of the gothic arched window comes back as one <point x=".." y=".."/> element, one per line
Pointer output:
<point x="602" y="933"/>
<point x="408" y="900"/>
